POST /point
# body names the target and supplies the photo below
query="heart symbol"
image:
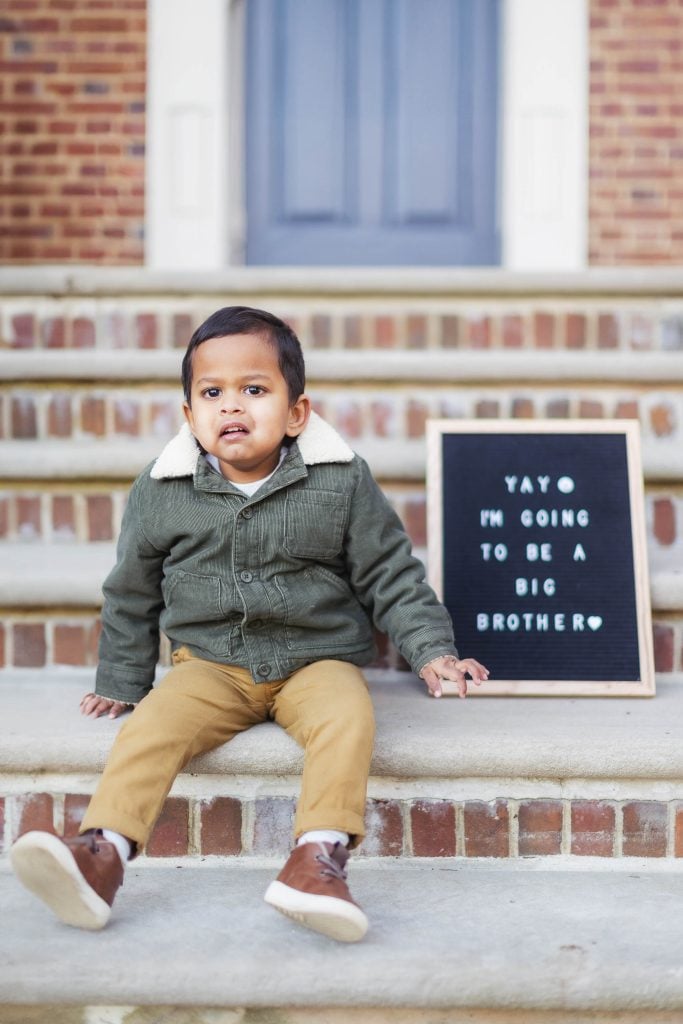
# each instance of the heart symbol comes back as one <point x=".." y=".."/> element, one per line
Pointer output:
<point x="594" y="621"/>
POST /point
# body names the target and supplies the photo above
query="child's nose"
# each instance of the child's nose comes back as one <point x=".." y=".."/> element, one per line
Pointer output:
<point x="231" y="403"/>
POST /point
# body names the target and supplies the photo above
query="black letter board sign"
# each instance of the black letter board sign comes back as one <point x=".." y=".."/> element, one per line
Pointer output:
<point x="537" y="549"/>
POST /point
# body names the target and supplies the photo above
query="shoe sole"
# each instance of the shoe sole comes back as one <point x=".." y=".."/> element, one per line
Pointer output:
<point x="46" y="867"/>
<point x="338" y="919"/>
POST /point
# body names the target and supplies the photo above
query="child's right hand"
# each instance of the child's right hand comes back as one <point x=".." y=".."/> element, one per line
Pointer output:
<point x="93" y="706"/>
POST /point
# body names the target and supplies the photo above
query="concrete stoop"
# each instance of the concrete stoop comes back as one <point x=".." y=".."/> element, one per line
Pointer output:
<point x="485" y="777"/>
<point x="37" y="575"/>
<point x="449" y="942"/>
<point x="466" y="938"/>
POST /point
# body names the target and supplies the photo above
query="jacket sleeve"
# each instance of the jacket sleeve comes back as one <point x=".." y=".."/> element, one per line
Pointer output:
<point x="129" y="643"/>
<point x="389" y="581"/>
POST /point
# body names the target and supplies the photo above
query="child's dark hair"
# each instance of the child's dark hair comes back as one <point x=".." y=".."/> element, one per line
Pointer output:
<point x="243" y="320"/>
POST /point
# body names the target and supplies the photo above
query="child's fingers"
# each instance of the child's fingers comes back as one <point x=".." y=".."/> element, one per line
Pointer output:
<point x="93" y="706"/>
<point x="456" y="676"/>
<point x="438" y="682"/>
<point x="452" y="670"/>
<point x="89" y="703"/>
<point x="117" y="709"/>
<point x="433" y="681"/>
<point x="478" y="672"/>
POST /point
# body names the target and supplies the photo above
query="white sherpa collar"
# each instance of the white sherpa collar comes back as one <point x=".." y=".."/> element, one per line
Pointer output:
<point x="318" y="443"/>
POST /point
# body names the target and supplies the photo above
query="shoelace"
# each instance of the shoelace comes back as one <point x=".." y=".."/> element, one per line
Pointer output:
<point x="331" y="867"/>
<point x="89" y="839"/>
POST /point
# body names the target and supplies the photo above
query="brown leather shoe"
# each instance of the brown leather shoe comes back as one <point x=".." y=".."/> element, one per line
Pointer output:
<point x="77" y="877"/>
<point x="312" y="889"/>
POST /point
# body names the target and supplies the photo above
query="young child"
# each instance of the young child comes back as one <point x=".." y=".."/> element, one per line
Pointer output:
<point x="262" y="547"/>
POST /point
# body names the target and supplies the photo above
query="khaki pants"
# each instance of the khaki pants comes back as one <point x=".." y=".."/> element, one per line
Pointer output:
<point x="200" y="705"/>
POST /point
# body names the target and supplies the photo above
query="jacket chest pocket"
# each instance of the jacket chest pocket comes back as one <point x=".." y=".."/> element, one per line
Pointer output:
<point x="315" y="524"/>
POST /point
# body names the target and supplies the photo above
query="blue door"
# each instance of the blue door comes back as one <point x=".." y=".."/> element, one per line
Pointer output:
<point x="372" y="132"/>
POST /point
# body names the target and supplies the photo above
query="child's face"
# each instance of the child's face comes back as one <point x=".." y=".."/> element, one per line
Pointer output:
<point x="241" y="409"/>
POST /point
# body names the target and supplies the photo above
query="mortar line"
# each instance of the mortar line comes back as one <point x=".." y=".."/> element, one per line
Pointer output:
<point x="513" y="828"/>
<point x="566" y="838"/>
<point x="618" y="828"/>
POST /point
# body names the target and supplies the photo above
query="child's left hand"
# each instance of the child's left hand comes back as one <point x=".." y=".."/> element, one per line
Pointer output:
<point x="455" y="670"/>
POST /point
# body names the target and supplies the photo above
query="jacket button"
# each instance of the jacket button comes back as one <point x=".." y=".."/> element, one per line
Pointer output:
<point x="247" y="513"/>
<point x="246" y="576"/>
<point x="256" y="624"/>
<point x="263" y="670"/>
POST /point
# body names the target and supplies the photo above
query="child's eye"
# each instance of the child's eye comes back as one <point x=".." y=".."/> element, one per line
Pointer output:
<point x="211" y="392"/>
<point x="254" y="389"/>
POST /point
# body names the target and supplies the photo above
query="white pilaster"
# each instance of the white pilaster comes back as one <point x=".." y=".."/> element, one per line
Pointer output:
<point x="190" y="167"/>
<point x="544" y="106"/>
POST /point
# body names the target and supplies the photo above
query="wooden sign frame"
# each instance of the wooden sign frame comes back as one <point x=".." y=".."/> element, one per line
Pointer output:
<point x="523" y="436"/>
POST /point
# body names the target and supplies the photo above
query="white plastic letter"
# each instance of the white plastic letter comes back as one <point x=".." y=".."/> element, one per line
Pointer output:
<point x="491" y="517"/>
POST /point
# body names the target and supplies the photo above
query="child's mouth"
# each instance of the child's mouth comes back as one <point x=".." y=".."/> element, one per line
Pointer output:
<point x="233" y="429"/>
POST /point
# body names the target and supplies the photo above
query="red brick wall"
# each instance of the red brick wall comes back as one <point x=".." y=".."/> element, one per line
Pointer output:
<point x="636" y="132"/>
<point x="72" y="130"/>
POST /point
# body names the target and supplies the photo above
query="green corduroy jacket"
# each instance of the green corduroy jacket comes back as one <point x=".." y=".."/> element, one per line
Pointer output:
<point x="295" y="574"/>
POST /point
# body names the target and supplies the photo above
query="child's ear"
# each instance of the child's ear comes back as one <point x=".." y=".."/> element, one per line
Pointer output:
<point x="187" y="409"/>
<point x="298" y="416"/>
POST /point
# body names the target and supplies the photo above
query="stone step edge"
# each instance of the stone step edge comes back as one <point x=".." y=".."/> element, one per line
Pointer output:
<point x="442" y="936"/>
<point x="82" y="459"/>
<point x="461" y="368"/>
<point x="38" y="575"/>
<point x="83" y="281"/>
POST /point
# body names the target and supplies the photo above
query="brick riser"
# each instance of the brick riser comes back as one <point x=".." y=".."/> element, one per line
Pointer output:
<point x="457" y="322"/>
<point x="373" y="411"/>
<point x="414" y="827"/>
<point x="40" y="639"/>
<point x="60" y="515"/>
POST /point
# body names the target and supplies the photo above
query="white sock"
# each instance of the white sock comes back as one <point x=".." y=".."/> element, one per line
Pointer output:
<point x="324" y="835"/>
<point x="120" y="842"/>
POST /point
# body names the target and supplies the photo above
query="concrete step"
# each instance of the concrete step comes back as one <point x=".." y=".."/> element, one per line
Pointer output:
<point x="81" y="459"/>
<point x="448" y="942"/>
<point x="74" y="282"/>
<point x="418" y="737"/>
<point x="135" y="366"/>
<point x="503" y="778"/>
<point x="35" y="575"/>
